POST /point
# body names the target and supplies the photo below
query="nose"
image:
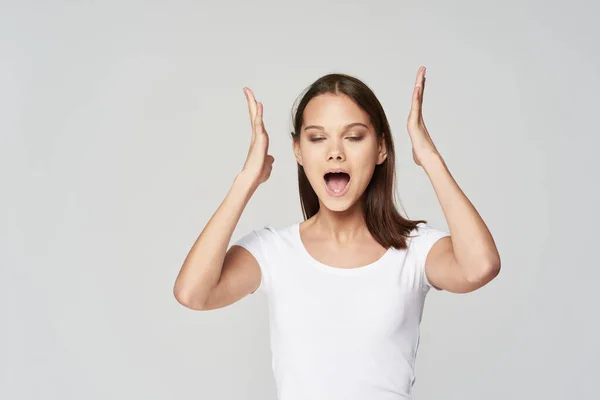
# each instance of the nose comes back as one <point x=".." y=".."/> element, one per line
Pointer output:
<point x="336" y="152"/>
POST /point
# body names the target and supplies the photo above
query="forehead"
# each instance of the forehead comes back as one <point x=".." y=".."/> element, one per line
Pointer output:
<point x="334" y="110"/>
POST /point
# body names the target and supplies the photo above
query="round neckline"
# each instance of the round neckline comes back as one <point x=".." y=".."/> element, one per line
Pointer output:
<point x="337" y="270"/>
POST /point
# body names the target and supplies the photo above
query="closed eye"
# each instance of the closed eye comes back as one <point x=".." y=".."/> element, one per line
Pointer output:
<point x="351" y="138"/>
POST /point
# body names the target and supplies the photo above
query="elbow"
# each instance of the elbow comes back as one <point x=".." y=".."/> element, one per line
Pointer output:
<point x="494" y="267"/>
<point x="186" y="300"/>
<point x="490" y="271"/>
<point x="180" y="296"/>
<point x="485" y="273"/>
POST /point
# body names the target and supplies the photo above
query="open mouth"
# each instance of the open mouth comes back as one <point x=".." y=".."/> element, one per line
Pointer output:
<point x="337" y="183"/>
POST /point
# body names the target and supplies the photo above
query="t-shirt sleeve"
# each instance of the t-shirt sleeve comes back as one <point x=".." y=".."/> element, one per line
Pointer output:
<point x="426" y="237"/>
<point x="257" y="243"/>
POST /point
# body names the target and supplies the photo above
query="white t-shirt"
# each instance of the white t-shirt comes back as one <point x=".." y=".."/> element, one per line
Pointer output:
<point x="338" y="333"/>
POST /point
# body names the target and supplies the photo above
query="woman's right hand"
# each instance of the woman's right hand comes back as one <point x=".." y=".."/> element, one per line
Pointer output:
<point x="258" y="163"/>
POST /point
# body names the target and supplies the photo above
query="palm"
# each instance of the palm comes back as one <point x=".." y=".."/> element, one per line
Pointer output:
<point x="422" y="144"/>
<point x="258" y="162"/>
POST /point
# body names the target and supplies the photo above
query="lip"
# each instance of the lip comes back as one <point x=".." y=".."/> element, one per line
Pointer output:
<point x="344" y="190"/>
<point x="336" y="170"/>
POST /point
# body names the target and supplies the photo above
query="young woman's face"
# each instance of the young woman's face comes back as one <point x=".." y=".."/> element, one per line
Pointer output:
<point x="337" y="134"/>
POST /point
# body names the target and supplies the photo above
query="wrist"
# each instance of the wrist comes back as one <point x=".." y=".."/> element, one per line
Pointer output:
<point x="247" y="182"/>
<point x="431" y="160"/>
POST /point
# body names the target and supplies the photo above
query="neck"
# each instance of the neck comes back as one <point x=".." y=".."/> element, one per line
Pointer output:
<point x="341" y="226"/>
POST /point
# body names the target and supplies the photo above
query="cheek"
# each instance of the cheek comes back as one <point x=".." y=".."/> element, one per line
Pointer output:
<point x="311" y="161"/>
<point x="363" y="166"/>
<point x="314" y="176"/>
<point x="362" y="158"/>
<point x="309" y="167"/>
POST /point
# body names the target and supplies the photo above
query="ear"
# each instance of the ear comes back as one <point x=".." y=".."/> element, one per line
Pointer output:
<point x="382" y="155"/>
<point x="297" y="151"/>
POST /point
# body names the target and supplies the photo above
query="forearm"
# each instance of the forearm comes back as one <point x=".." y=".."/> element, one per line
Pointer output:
<point x="201" y="268"/>
<point x="473" y="245"/>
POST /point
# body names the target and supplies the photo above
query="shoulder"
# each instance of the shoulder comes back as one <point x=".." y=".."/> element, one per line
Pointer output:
<point x="268" y="234"/>
<point x="273" y="231"/>
<point x="424" y="235"/>
<point x="420" y="242"/>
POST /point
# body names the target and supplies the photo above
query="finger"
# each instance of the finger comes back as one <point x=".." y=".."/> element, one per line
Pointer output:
<point x="417" y="100"/>
<point x="258" y="121"/>
<point x="421" y="95"/>
<point x="251" y="105"/>
<point x="420" y="76"/>
<point x="251" y="102"/>
<point x="415" y="108"/>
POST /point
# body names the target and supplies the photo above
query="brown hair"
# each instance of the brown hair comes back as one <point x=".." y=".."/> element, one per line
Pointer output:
<point x="383" y="220"/>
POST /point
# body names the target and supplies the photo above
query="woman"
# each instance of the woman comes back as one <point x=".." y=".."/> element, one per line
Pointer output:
<point x="346" y="287"/>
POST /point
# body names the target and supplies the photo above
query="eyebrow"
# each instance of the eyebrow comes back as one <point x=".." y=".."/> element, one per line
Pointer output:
<point x="319" y="127"/>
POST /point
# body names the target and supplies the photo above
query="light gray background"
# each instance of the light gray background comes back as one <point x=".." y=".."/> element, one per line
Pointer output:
<point x="124" y="123"/>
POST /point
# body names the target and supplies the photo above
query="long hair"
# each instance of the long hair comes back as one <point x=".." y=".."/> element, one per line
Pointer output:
<point x="383" y="220"/>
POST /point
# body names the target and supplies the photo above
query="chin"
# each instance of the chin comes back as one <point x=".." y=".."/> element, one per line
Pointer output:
<point x="336" y="207"/>
<point x="337" y="204"/>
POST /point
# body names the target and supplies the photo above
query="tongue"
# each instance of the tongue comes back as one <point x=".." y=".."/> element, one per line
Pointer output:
<point x="337" y="182"/>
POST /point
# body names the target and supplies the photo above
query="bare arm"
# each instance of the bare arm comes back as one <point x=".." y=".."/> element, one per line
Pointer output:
<point x="210" y="274"/>
<point x="202" y="267"/>
<point x="469" y="258"/>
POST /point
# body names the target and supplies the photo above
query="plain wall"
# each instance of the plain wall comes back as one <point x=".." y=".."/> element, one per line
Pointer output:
<point x="123" y="124"/>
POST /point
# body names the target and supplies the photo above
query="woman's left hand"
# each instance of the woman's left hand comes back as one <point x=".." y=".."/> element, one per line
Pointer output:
<point x="422" y="145"/>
